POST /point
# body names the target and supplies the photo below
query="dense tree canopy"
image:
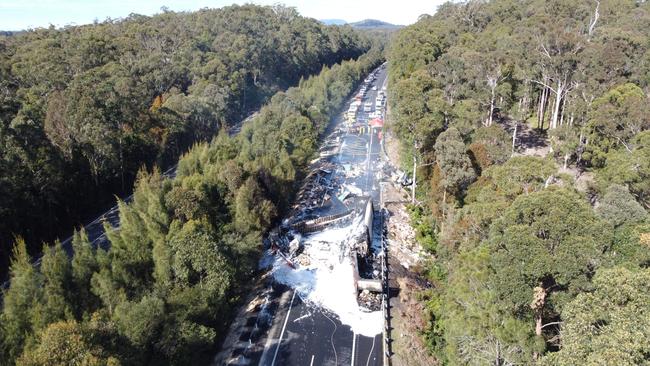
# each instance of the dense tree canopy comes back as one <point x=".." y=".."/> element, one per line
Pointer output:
<point x="451" y="154"/>
<point x="549" y="242"/>
<point x="186" y="249"/>
<point x="537" y="257"/>
<point x="558" y="65"/>
<point x="66" y="343"/>
<point x="84" y="107"/>
<point x="609" y="325"/>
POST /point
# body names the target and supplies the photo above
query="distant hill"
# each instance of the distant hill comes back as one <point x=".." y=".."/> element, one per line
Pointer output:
<point x="373" y="23"/>
<point x="333" y="21"/>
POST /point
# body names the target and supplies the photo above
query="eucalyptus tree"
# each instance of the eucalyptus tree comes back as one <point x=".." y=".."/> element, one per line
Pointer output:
<point x="609" y="324"/>
<point x="546" y="247"/>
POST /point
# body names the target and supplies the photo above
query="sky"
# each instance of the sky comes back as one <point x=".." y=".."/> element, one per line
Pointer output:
<point x="24" y="14"/>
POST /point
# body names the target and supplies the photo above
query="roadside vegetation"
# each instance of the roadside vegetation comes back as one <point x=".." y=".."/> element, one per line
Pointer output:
<point x="187" y="247"/>
<point x="537" y="259"/>
<point x="83" y="108"/>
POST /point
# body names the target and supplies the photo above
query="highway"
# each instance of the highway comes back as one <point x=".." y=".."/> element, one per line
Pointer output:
<point x="297" y="332"/>
<point x="293" y="331"/>
<point x="313" y="336"/>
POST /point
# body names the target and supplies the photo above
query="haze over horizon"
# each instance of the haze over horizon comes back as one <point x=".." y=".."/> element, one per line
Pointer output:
<point x="19" y="15"/>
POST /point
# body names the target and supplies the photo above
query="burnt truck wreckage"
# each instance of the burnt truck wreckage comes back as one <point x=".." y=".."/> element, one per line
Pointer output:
<point x="341" y="191"/>
<point x="325" y="201"/>
<point x="324" y="265"/>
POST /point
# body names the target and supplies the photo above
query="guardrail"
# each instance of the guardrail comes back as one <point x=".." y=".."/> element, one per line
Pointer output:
<point x="385" y="299"/>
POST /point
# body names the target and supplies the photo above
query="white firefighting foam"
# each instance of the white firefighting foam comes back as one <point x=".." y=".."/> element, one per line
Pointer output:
<point x="328" y="279"/>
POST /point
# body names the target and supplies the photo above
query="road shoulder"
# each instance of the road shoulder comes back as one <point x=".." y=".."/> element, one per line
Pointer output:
<point x="406" y="258"/>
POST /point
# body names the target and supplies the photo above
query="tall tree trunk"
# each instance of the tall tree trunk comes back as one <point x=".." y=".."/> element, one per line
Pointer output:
<point x="526" y="99"/>
<point x="538" y="324"/>
<point x="415" y="167"/>
<point x="566" y="160"/>
<point x="556" y="107"/>
<point x="562" y="111"/>
<point x="547" y="91"/>
<point x="594" y="20"/>
<point x="552" y="108"/>
<point x="489" y="123"/>
<point x="539" y="107"/>
<point x="542" y="108"/>
<point x="581" y="144"/>
<point x="514" y="138"/>
<point x="537" y="305"/>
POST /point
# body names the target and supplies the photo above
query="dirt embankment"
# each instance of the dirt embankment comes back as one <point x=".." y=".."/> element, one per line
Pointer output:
<point x="405" y="260"/>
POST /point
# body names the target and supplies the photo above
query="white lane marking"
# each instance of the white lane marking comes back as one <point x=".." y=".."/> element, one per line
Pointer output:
<point x="286" y="319"/>
<point x="302" y="317"/>
<point x="336" y="356"/>
<point x="371" y="349"/>
<point x="354" y="343"/>
<point x="312" y="361"/>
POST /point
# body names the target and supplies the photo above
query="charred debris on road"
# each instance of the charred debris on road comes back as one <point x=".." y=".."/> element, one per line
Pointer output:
<point x="325" y="201"/>
<point x="334" y="195"/>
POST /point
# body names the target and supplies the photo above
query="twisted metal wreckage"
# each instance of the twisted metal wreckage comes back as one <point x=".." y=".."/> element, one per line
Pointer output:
<point x="331" y="197"/>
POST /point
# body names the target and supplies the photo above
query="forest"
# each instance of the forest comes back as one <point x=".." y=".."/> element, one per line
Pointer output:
<point x="187" y="247"/>
<point x="541" y="247"/>
<point x="83" y="108"/>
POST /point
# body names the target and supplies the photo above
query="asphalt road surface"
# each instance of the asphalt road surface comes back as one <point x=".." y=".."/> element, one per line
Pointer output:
<point x="304" y="334"/>
<point x="299" y="334"/>
<point x="311" y="336"/>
